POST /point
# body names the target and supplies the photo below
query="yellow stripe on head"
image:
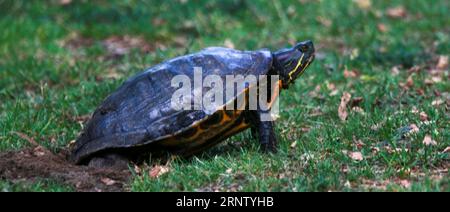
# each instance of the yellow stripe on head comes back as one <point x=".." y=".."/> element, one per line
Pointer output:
<point x="306" y="66"/>
<point x="296" y="67"/>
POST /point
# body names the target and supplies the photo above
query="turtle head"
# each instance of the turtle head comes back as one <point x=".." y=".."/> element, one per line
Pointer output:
<point x="290" y="63"/>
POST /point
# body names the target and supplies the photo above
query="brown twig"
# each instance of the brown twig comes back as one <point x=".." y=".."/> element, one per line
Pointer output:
<point x="26" y="137"/>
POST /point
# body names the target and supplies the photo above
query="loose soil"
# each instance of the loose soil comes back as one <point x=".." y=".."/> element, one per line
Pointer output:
<point x="37" y="163"/>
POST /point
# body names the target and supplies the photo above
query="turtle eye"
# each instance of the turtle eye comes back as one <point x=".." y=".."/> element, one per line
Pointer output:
<point x="304" y="48"/>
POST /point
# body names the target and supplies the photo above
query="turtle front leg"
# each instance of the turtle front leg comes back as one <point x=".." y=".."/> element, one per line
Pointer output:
<point x="265" y="131"/>
<point x="267" y="137"/>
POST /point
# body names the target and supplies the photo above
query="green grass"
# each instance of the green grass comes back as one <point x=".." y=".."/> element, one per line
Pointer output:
<point x="46" y="81"/>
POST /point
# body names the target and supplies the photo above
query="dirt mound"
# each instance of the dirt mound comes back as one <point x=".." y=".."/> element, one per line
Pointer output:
<point x="37" y="163"/>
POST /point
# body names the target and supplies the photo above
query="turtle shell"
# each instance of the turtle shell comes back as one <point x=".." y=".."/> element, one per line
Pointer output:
<point x="139" y="112"/>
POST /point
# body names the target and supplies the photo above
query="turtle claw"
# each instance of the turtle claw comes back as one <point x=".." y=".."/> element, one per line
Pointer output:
<point x="267" y="148"/>
<point x="271" y="146"/>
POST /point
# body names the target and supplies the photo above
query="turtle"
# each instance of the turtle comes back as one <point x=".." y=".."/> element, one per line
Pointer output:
<point x="139" y="119"/>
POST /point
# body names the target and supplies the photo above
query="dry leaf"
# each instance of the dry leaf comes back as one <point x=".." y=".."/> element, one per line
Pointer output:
<point x="116" y="46"/>
<point x="395" y="71"/>
<point x="137" y="169"/>
<point x="442" y="62"/>
<point x="324" y="21"/>
<point x="350" y="73"/>
<point x="354" y="54"/>
<point x="294" y="144"/>
<point x="331" y="86"/>
<point x="157" y="171"/>
<point x="347" y="184"/>
<point x="305" y="129"/>
<point x="188" y="25"/>
<point x="359" y="144"/>
<point x="229" y="44"/>
<point x="121" y="45"/>
<point x="158" y="22"/>
<point x="395" y="150"/>
<point x="423" y="116"/>
<point x="342" y="110"/>
<point x="26" y="137"/>
<point x="405" y="183"/>
<point x="160" y="46"/>
<point x="112" y="74"/>
<point x="74" y="41"/>
<point x="363" y="4"/>
<point x="375" y="127"/>
<point x="154" y="171"/>
<point x="382" y="49"/>
<point x="447" y="149"/>
<point x="438" y="93"/>
<point x="82" y="118"/>
<point x="375" y="149"/>
<point x="414" y="69"/>
<point x="435" y="72"/>
<point x="358" y="110"/>
<point x="344" y="169"/>
<point x="414" y="128"/>
<point x="436" y="79"/>
<point x="291" y="11"/>
<point x="410" y="82"/>
<point x="315" y="93"/>
<point x="65" y="2"/>
<point x="437" y="102"/>
<point x="316" y="112"/>
<point x="380" y="185"/>
<point x="420" y="92"/>
<point x="306" y="157"/>
<point x="382" y="28"/>
<point x="356" y="156"/>
<point x="39" y="151"/>
<point x="108" y="181"/>
<point x="180" y="41"/>
<point x="334" y="93"/>
<point x="396" y="12"/>
<point x="428" y="141"/>
<point x="399" y="150"/>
